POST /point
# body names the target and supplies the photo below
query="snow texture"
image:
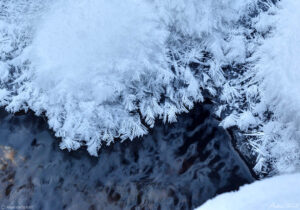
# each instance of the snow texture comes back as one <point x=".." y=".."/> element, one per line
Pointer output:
<point x="265" y="96"/>
<point x="278" y="68"/>
<point x="102" y="71"/>
<point x="279" y="192"/>
<point x="97" y="68"/>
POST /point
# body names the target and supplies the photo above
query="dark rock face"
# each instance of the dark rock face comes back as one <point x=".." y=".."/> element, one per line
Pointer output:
<point x="177" y="166"/>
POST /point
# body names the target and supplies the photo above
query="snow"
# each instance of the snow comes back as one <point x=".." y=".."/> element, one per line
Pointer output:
<point x="270" y="85"/>
<point x="95" y="69"/>
<point x="279" y="70"/>
<point x="261" y="99"/>
<point x="280" y="192"/>
<point x="102" y="71"/>
<point x="83" y="57"/>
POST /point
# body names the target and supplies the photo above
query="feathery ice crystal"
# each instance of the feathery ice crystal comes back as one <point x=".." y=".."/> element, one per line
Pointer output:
<point x="106" y="70"/>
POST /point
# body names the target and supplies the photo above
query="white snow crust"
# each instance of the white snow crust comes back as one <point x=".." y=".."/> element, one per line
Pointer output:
<point x="279" y="192"/>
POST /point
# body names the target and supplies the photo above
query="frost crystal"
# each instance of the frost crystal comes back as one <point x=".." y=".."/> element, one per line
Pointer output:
<point x="102" y="70"/>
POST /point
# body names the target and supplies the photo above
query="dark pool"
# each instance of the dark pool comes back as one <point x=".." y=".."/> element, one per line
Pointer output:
<point x="177" y="166"/>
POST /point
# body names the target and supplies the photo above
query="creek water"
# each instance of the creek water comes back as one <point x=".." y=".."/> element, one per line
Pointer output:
<point x="176" y="166"/>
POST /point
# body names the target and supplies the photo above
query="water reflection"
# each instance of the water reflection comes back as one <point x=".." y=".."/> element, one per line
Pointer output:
<point x="177" y="166"/>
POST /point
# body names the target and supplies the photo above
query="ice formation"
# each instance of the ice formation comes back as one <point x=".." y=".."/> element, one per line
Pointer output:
<point x="102" y="70"/>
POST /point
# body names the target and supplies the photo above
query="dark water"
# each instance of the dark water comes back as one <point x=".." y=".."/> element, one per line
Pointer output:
<point x="177" y="166"/>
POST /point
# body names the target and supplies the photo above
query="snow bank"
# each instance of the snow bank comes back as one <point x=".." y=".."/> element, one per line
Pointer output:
<point x="280" y="192"/>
